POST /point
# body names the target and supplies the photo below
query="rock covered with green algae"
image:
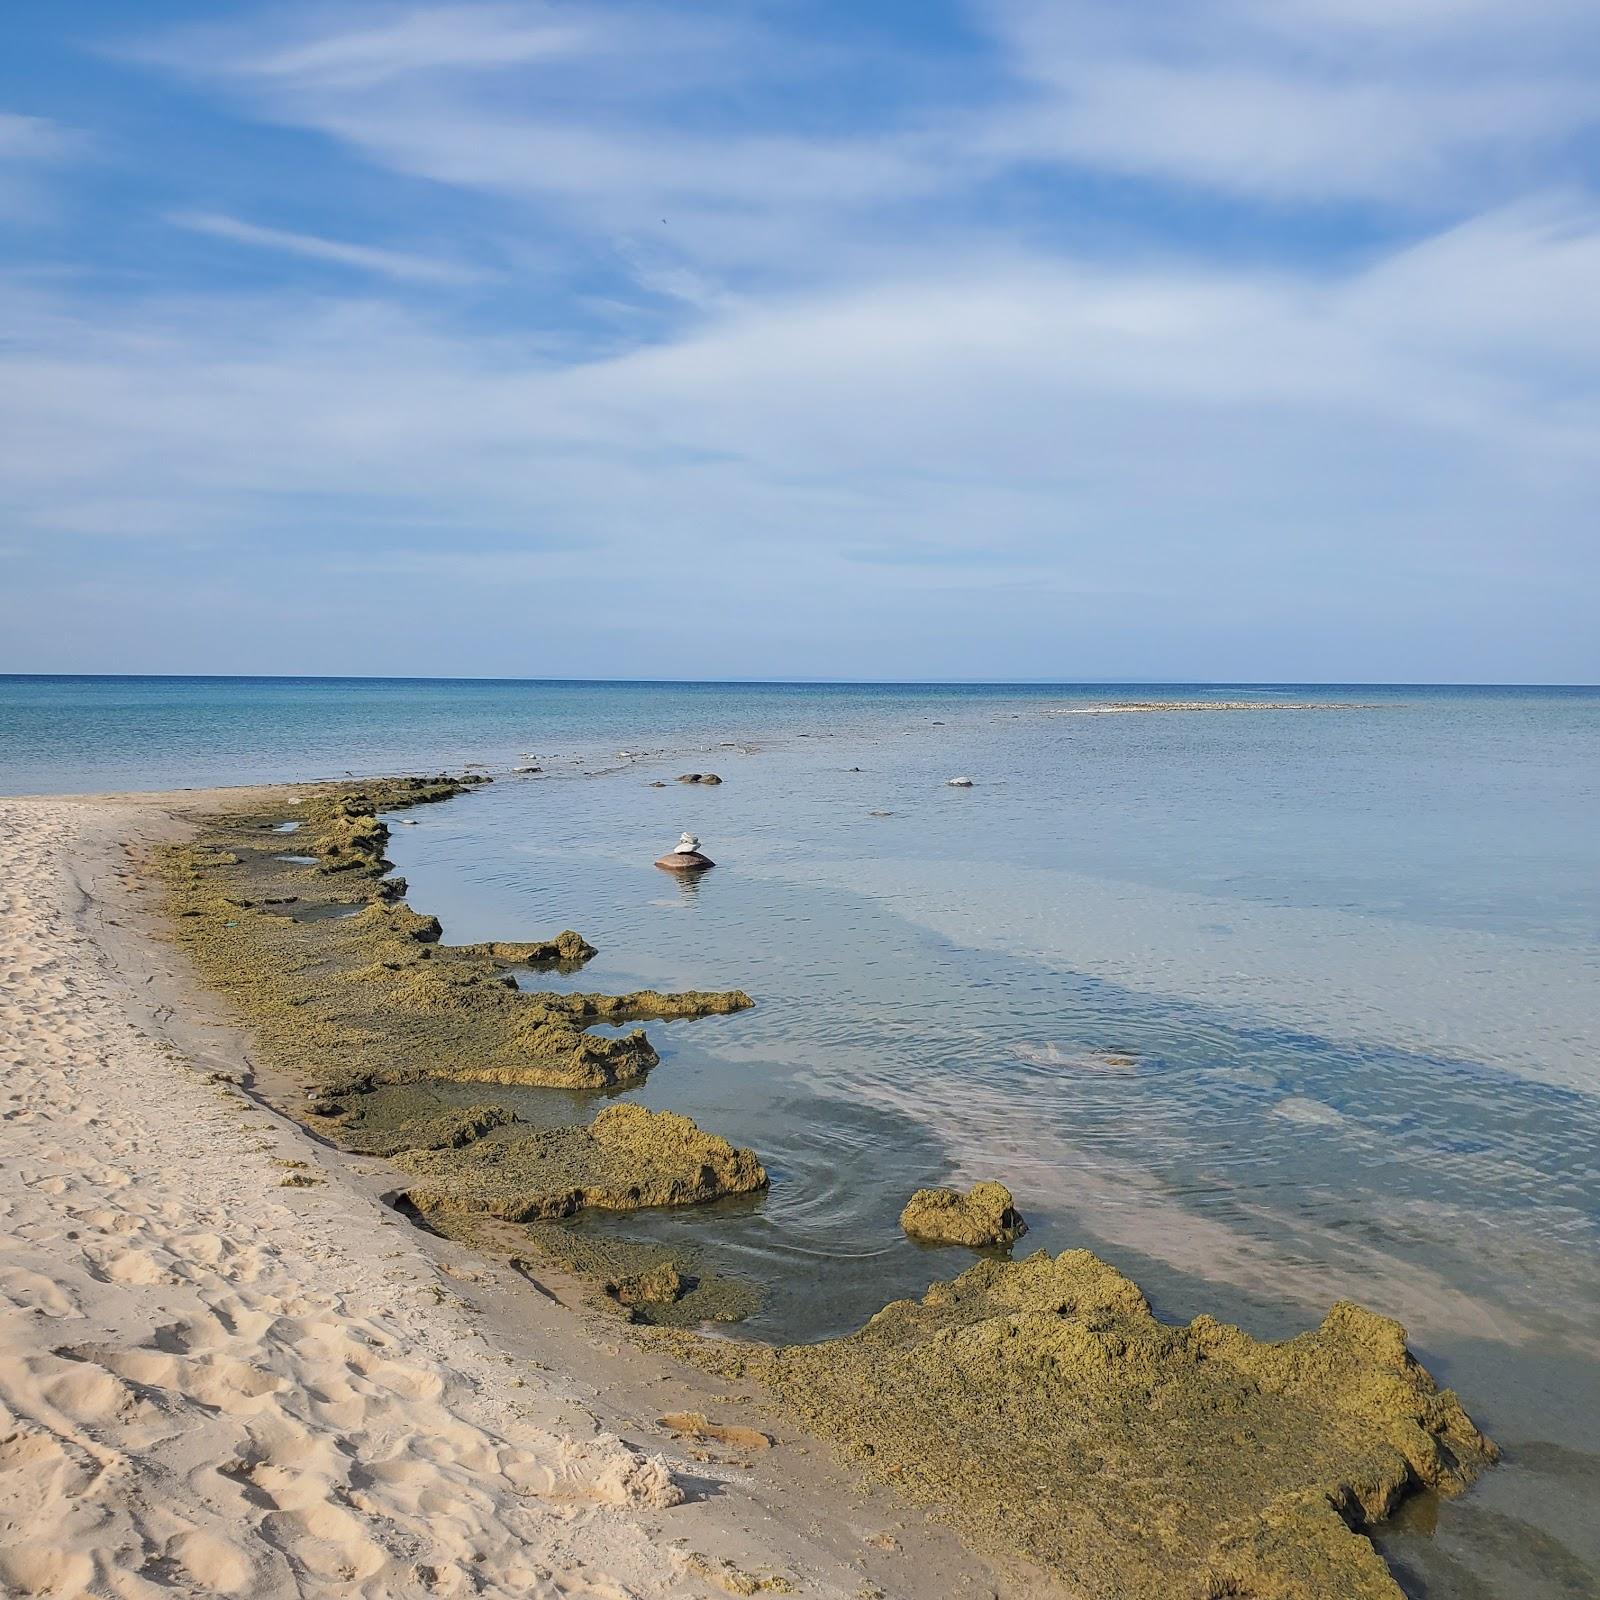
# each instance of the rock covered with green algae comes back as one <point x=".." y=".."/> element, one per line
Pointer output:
<point x="376" y="997"/>
<point x="567" y="951"/>
<point x="983" y="1217"/>
<point x="448" y="1129"/>
<point x="663" y="1285"/>
<point x="626" y="1158"/>
<point x="1044" y="1405"/>
<point x="644" y="1004"/>
<point x="553" y="1048"/>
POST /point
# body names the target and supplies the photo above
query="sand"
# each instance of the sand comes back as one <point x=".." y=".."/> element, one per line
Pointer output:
<point x="227" y="1368"/>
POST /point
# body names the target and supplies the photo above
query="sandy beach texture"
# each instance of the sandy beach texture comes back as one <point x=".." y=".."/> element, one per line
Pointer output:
<point x="226" y="1368"/>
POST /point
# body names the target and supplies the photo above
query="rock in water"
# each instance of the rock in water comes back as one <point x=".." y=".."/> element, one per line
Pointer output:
<point x="958" y="783"/>
<point x="685" y="856"/>
<point x="981" y="1217"/>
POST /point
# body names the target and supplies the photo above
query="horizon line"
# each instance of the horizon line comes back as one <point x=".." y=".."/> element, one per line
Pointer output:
<point x="805" y="682"/>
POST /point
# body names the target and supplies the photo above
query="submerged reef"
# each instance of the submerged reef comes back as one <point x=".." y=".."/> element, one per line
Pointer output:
<point x="981" y="1218"/>
<point x="1047" y="1409"/>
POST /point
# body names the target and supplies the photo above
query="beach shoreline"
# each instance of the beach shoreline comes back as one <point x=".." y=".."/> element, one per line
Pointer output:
<point x="228" y="1365"/>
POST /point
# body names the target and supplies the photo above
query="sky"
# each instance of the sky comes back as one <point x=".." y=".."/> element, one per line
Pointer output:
<point x="1238" y="340"/>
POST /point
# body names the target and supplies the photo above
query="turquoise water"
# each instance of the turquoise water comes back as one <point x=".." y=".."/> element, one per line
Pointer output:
<point x="1266" y="1006"/>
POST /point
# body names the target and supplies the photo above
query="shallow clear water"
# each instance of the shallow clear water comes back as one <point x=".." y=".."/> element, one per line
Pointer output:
<point x="1268" y="1007"/>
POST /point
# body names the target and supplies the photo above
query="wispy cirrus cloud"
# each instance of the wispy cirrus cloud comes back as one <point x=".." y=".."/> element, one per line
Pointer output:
<point x="425" y="39"/>
<point x="30" y="147"/>
<point x="401" y="264"/>
<point x="1419" y="104"/>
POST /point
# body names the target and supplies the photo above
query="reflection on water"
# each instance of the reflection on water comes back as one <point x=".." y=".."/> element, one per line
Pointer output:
<point x="322" y="911"/>
<point x="1252" y="1126"/>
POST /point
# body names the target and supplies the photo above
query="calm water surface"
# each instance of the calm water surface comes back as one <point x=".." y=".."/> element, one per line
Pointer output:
<point x="1267" y="1007"/>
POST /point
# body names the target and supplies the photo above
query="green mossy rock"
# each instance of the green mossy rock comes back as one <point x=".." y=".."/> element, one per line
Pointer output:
<point x="981" y="1218"/>
<point x="627" y="1158"/>
<point x="1043" y="1404"/>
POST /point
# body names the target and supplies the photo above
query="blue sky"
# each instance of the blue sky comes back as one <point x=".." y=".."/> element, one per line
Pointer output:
<point x="1232" y="339"/>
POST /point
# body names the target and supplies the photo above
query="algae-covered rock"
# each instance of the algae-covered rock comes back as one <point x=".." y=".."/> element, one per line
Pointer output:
<point x="549" y="1047"/>
<point x="982" y="1217"/>
<point x="352" y="840"/>
<point x="644" y="1004"/>
<point x="1047" y="1408"/>
<point x="375" y="1016"/>
<point x="551" y="1052"/>
<point x="568" y="950"/>
<point x="399" y="922"/>
<point x="627" y="1158"/>
<point x="663" y="1285"/>
<point x="445" y="1130"/>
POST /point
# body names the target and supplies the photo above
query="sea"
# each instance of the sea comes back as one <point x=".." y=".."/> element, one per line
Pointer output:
<point x="1271" y="996"/>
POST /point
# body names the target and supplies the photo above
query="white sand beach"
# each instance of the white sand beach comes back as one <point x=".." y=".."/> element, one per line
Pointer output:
<point x="227" y="1368"/>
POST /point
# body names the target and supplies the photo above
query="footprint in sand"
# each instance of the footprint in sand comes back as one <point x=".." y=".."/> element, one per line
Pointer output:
<point x="130" y="1266"/>
<point x="212" y="1564"/>
<point x="40" y="1472"/>
<point x="327" y="1542"/>
<point x="31" y="1291"/>
<point x="30" y="1569"/>
<point x="224" y="1384"/>
<point x="84" y="1394"/>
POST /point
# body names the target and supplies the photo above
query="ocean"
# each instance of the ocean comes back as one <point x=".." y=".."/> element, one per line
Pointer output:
<point x="1269" y="1007"/>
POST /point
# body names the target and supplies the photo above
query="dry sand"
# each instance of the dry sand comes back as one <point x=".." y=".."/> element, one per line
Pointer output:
<point x="214" y="1381"/>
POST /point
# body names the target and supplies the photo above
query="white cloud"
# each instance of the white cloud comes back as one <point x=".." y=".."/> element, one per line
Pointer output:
<point x="1011" y="405"/>
<point x="34" y="138"/>
<point x="29" y="148"/>
<point x="430" y="39"/>
<point x="363" y="258"/>
<point x="1261" y="133"/>
<point x="1304" y="100"/>
<point x="647" y="117"/>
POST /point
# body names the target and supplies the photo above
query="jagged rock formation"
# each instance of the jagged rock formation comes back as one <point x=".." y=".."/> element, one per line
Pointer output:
<point x="1047" y="1408"/>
